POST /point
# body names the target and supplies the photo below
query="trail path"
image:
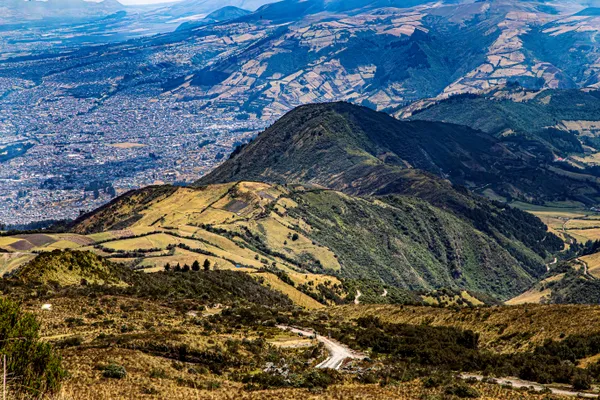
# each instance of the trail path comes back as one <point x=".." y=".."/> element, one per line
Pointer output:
<point x="358" y="294"/>
<point x="337" y="351"/>
<point x="552" y="263"/>
<point x="519" y="383"/>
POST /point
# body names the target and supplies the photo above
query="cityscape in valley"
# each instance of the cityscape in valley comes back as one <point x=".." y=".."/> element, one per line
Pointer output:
<point x="316" y="199"/>
<point x="127" y="98"/>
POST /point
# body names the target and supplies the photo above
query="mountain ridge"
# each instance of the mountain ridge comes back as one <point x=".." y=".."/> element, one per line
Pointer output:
<point x="361" y="151"/>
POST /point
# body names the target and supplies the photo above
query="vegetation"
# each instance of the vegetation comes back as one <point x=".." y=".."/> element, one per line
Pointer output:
<point x="33" y="366"/>
<point x="70" y="268"/>
<point x="537" y="125"/>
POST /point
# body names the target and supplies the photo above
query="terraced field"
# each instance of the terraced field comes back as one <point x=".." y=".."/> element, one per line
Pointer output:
<point x="568" y="220"/>
<point x="220" y="225"/>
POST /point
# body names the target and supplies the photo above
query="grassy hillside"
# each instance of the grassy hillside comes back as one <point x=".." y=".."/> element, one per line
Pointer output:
<point x="70" y="268"/>
<point x="303" y="238"/>
<point x="501" y="329"/>
<point x="213" y="334"/>
<point x="403" y="241"/>
<point x="532" y="115"/>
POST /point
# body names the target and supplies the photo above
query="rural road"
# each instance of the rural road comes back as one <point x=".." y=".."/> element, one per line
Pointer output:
<point x="518" y="383"/>
<point x="358" y="294"/>
<point x="552" y="263"/>
<point x="337" y="352"/>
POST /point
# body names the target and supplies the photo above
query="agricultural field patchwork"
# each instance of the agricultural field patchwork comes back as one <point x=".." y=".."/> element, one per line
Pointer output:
<point x="568" y="220"/>
<point x="242" y="226"/>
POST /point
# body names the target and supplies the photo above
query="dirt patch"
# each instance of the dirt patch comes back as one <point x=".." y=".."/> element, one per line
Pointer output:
<point x="80" y="240"/>
<point x="38" y="239"/>
<point x="22" y="245"/>
<point x="236" y="206"/>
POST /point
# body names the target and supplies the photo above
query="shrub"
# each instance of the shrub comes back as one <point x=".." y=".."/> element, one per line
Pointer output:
<point x="114" y="371"/>
<point x="581" y="381"/>
<point x="34" y="365"/>
<point x="72" y="341"/>
<point x="158" y="373"/>
<point x="461" y="390"/>
<point x="196" y="266"/>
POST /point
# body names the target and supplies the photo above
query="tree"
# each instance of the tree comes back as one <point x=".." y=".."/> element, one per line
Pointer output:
<point x="186" y="268"/>
<point x="581" y="381"/>
<point x="167" y="267"/>
<point x="34" y="367"/>
<point x="178" y="268"/>
<point x="295" y="237"/>
<point x="206" y="265"/>
<point x="196" y="266"/>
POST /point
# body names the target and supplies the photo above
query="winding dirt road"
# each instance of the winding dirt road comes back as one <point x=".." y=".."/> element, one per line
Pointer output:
<point x="338" y="353"/>
<point x="518" y="383"/>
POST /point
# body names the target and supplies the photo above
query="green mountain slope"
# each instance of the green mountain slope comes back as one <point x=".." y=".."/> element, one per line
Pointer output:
<point x="539" y="116"/>
<point x="338" y="144"/>
<point x="361" y="151"/>
<point x="403" y="241"/>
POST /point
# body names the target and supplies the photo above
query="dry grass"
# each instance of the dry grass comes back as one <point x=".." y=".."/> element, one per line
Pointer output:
<point x="501" y="329"/>
<point x="593" y="263"/>
<point x="10" y="262"/>
<point x="294" y="294"/>
<point x="406" y="391"/>
<point x="567" y="220"/>
<point x="537" y="294"/>
<point x="155" y="377"/>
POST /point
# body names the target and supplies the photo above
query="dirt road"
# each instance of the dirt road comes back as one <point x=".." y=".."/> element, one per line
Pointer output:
<point x="518" y="383"/>
<point x="337" y="351"/>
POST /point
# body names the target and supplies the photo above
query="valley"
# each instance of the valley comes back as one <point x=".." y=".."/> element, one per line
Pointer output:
<point x="316" y="199"/>
<point x="72" y="90"/>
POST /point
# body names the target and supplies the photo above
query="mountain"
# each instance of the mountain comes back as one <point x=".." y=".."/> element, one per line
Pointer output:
<point x="562" y="120"/>
<point x="226" y="14"/>
<point x="220" y="83"/>
<point x="221" y="15"/>
<point x="360" y="151"/>
<point x="428" y="233"/>
<point x="17" y="11"/>
<point x="197" y="9"/>
<point x="403" y="241"/>
<point x="383" y="54"/>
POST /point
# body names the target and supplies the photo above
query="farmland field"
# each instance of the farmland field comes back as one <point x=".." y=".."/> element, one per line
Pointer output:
<point x="568" y="220"/>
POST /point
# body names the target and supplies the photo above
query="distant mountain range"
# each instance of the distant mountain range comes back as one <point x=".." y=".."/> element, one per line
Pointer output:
<point x="19" y="11"/>
<point x="64" y="11"/>
<point x="383" y="54"/>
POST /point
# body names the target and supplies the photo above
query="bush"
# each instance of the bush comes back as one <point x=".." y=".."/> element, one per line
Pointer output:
<point x="581" y="381"/>
<point x="72" y="341"/>
<point x="461" y="390"/>
<point x="34" y="365"/>
<point x="114" y="371"/>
